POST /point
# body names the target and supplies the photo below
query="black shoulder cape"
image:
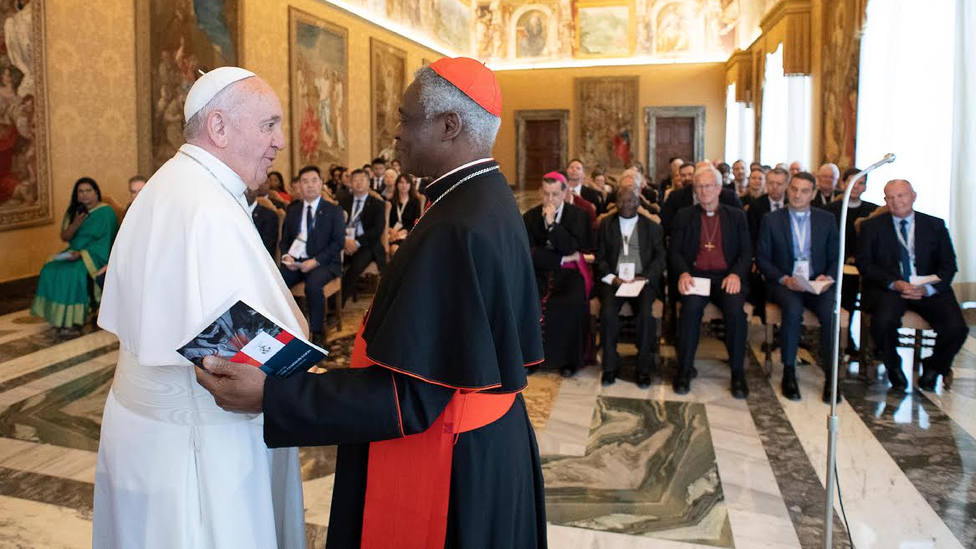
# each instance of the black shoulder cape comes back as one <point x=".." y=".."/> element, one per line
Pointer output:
<point x="458" y="305"/>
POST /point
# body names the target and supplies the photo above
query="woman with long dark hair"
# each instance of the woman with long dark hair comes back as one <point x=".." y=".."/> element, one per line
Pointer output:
<point x="67" y="284"/>
<point x="404" y="211"/>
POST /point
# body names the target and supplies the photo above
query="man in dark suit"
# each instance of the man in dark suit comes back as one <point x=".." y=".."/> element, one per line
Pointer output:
<point x="265" y="220"/>
<point x="773" y="200"/>
<point x="632" y="246"/>
<point x="711" y="241"/>
<point x="575" y="179"/>
<point x="800" y="243"/>
<point x="685" y="196"/>
<point x="365" y="224"/>
<point x="377" y="169"/>
<point x="310" y="243"/>
<point x="892" y="249"/>
<point x="827" y="177"/>
<point x="558" y="234"/>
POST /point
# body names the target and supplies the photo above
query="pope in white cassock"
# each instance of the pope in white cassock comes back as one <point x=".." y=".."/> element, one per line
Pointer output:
<point x="175" y="470"/>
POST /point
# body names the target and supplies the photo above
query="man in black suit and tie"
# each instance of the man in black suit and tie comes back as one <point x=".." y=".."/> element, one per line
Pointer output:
<point x="629" y="247"/>
<point x="796" y="245"/>
<point x="265" y="220"/>
<point x="827" y="177"/>
<point x="773" y="200"/>
<point x="558" y="234"/>
<point x="686" y="196"/>
<point x="365" y="223"/>
<point x="711" y="242"/>
<point x="377" y="168"/>
<point x="893" y="249"/>
<point x="575" y="176"/>
<point x="310" y="243"/>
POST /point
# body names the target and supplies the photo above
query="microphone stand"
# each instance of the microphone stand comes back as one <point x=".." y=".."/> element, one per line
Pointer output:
<point x="833" y="422"/>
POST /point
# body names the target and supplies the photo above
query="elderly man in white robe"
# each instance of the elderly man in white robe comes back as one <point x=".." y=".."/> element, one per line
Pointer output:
<point x="174" y="470"/>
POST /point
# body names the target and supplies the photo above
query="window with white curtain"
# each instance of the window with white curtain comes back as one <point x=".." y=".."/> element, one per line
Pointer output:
<point x="739" y="129"/>
<point x="786" y="120"/>
<point x="905" y="99"/>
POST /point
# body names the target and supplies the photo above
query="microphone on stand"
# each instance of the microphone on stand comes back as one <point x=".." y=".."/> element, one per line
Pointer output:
<point x="833" y="422"/>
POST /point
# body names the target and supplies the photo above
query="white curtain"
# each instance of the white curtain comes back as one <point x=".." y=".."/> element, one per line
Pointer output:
<point x="739" y="129"/>
<point x="962" y="222"/>
<point x="905" y="99"/>
<point x="786" y="119"/>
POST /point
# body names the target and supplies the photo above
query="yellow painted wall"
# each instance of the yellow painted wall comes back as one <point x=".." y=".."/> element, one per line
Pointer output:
<point x="659" y="86"/>
<point x="91" y="75"/>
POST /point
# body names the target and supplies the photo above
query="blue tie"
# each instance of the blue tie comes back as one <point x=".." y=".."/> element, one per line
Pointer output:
<point x="906" y="262"/>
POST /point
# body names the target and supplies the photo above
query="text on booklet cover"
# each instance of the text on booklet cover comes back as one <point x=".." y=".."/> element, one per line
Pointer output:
<point x="241" y="334"/>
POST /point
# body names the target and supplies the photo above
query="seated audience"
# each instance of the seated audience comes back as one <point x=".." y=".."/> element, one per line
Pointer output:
<point x="685" y="196"/>
<point x="711" y="240"/>
<point x="800" y="242"/>
<point x="739" y="180"/>
<point x="311" y="240"/>
<point x="365" y="223"/>
<point x="827" y="177"/>
<point x="674" y="164"/>
<point x="136" y="183"/>
<point x="795" y="167"/>
<point x="276" y="191"/>
<point x="265" y="219"/>
<point x="755" y="187"/>
<point x="377" y="168"/>
<point x="630" y="246"/>
<point x="557" y="232"/>
<point x="395" y="165"/>
<point x="856" y="209"/>
<point x="67" y="285"/>
<point x="389" y="184"/>
<point x="576" y="179"/>
<point x="893" y="248"/>
<point x="335" y="179"/>
<point x="773" y="200"/>
<point x="405" y="211"/>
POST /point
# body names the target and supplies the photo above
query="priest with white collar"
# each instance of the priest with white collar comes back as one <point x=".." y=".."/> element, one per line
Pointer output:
<point x="174" y="469"/>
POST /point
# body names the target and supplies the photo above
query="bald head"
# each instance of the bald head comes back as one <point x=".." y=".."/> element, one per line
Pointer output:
<point x="899" y="197"/>
<point x="241" y="126"/>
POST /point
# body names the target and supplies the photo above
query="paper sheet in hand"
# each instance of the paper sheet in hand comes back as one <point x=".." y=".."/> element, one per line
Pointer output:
<point x="63" y="256"/>
<point x="630" y="289"/>
<point x="240" y="334"/>
<point x="701" y="286"/>
<point x="812" y="286"/>
<point x="923" y="280"/>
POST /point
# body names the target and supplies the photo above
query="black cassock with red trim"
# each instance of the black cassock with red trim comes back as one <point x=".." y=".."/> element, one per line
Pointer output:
<point x="456" y="313"/>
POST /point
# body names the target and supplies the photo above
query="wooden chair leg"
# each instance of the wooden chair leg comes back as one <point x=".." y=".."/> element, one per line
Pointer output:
<point x="917" y="357"/>
<point x="769" y="349"/>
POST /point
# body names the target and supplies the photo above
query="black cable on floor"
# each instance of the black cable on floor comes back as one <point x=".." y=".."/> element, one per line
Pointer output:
<point x="843" y="512"/>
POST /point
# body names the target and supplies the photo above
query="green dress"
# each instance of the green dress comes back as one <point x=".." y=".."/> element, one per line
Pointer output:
<point x="63" y="297"/>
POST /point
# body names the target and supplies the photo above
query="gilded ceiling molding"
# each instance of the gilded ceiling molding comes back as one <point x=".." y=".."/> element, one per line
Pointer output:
<point x="788" y="23"/>
<point x="738" y="71"/>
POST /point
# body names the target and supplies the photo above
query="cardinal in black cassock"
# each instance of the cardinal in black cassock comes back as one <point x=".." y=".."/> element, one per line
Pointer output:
<point x="435" y="445"/>
<point x="558" y="234"/>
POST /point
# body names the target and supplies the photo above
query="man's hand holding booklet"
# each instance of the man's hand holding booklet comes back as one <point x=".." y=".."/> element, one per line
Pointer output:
<point x="241" y="334"/>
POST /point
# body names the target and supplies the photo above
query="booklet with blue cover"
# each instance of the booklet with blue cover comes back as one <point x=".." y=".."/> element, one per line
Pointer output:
<point x="241" y="334"/>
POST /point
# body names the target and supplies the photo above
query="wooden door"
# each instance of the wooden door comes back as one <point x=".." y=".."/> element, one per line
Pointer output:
<point x="675" y="138"/>
<point x="542" y="149"/>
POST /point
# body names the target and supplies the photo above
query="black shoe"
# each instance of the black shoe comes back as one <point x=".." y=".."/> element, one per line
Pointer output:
<point x="790" y="389"/>
<point x="681" y="385"/>
<point x="529" y="370"/>
<point x="897" y="379"/>
<point x="928" y="380"/>
<point x="566" y="371"/>
<point x="609" y="378"/>
<point x="694" y="372"/>
<point x="825" y="395"/>
<point x="318" y="339"/>
<point x="740" y="389"/>
<point x="643" y="381"/>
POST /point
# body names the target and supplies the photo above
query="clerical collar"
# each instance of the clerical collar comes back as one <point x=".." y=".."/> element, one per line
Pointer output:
<point x="706" y="212"/>
<point x="227" y="177"/>
<point x="439" y="186"/>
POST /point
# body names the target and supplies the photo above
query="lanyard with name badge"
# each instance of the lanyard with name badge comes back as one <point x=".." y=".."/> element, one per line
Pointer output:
<point x="801" y="265"/>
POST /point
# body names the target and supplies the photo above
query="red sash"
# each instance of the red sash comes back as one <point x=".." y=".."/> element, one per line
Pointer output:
<point x="408" y="479"/>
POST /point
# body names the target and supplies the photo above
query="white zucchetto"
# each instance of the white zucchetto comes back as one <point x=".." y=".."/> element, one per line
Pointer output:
<point x="209" y="85"/>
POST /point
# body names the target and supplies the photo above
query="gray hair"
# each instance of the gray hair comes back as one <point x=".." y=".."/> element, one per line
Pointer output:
<point x="638" y="178"/>
<point x="627" y="175"/>
<point x="708" y="170"/>
<point x="833" y="169"/>
<point x="437" y="95"/>
<point x="224" y="101"/>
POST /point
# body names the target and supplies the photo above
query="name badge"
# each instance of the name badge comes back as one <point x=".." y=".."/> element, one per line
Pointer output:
<point x="297" y="249"/>
<point x="801" y="269"/>
<point x="626" y="271"/>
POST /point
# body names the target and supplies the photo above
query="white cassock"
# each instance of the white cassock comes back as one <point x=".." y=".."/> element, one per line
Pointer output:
<point x="175" y="470"/>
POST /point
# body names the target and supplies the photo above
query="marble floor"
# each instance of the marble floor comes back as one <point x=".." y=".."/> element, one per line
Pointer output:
<point x="624" y="467"/>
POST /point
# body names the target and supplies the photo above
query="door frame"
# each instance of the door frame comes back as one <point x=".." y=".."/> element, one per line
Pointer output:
<point x="521" y="116"/>
<point x="651" y="114"/>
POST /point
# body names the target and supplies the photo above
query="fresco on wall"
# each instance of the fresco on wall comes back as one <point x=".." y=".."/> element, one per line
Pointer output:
<point x="388" y="68"/>
<point x="185" y="36"/>
<point x="842" y="45"/>
<point x="25" y="185"/>
<point x="319" y="91"/>
<point x="531" y="32"/>
<point x="606" y="129"/>
<point x="603" y="30"/>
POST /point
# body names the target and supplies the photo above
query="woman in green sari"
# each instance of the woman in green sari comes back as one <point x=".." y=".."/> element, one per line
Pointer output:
<point x="68" y="280"/>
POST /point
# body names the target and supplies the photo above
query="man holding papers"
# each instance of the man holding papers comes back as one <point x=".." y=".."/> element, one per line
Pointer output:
<point x="630" y="258"/>
<point x="907" y="262"/>
<point x="710" y="242"/>
<point x="797" y="250"/>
